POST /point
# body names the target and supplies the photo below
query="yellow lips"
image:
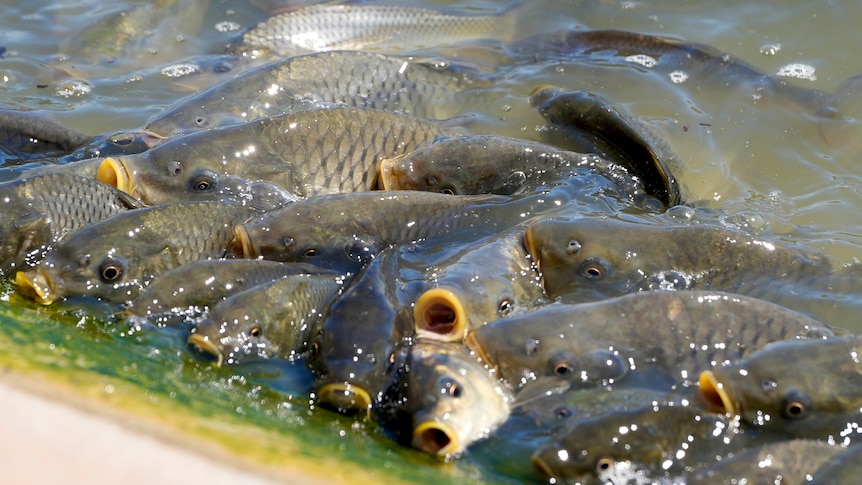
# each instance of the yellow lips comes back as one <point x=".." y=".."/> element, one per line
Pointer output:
<point x="439" y="315"/>
<point x="37" y="285"/>
<point x="112" y="171"/>
<point x="714" y="395"/>
<point x="388" y="178"/>
<point x="345" y="397"/>
<point x="242" y="246"/>
<point x="435" y="439"/>
<point x="204" y="344"/>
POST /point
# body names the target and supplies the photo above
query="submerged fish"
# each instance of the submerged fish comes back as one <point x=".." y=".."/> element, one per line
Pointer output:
<point x="115" y="258"/>
<point x="589" y="123"/>
<point x="487" y="164"/>
<point x="425" y="88"/>
<point x="40" y="211"/>
<point x="305" y="153"/>
<point x="660" y="339"/>
<point x="807" y="388"/>
<point x="454" y="400"/>
<point x="273" y="319"/>
<point x="25" y="134"/>
<point x="367" y="27"/>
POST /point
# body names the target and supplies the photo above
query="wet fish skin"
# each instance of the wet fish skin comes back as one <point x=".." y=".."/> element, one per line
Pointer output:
<point x="306" y="153"/>
<point x="40" y="211"/>
<point x="817" y="395"/>
<point x="660" y="339"/>
<point x="29" y="134"/>
<point x="115" y="258"/>
<point x="453" y="398"/>
<point x="844" y="468"/>
<point x="272" y="319"/>
<point x="360" y="27"/>
<point x="424" y="88"/>
<point x="587" y="122"/>
<point x="344" y="231"/>
<point x="197" y="286"/>
<point x="488" y="164"/>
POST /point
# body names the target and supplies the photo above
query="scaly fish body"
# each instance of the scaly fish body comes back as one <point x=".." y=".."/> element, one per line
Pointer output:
<point x="659" y="339"/>
<point x="273" y="319"/>
<point x="425" y="88"/>
<point x="305" y="153"/>
<point x="115" y="258"/>
<point x="25" y="134"/>
<point x="844" y="468"/>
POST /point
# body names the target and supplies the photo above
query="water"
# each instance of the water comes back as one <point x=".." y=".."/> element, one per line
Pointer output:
<point x="779" y="160"/>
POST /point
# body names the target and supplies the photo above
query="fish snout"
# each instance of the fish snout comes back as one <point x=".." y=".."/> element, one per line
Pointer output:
<point x="344" y="397"/>
<point x="113" y="171"/>
<point x="37" y="285"/>
<point x="532" y="250"/>
<point x="440" y="315"/>
<point x="715" y="395"/>
<point x="242" y="246"/>
<point x="389" y="174"/>
<point x="435" y="439"/>
<point x="207" y="346"/>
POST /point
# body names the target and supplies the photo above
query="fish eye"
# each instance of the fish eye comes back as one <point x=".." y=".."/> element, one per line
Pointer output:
<point x="204" y="181"/>
<point x="605" y="464"/>
<point x="506" y="307"/>
<point x="202" y="121"/>
<point x="594" y="268"/>
<point x="795" y="405"/>
<point x="255" y="332"/>
<point x="175" y="167"/>
<point x="310" y="253"/>
<point x="516" y="179"/>
<point x="450" y="387"/>
<point x="110" y="270"/>
<point x="315" y="349"/>
<point x="448" y="191"/>
<point x="574" y="247"/>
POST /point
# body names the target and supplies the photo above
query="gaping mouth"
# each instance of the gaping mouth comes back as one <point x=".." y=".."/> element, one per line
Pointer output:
<point x="112" y="171"/>
<point x="439" y="315"/>
<point x="344" y="397"/>
<point x="241" y="246"/>
<point x="207" y="346"/>
<point x="714" y="395"/>
<point x="435" y="438"/>
<point x="37" y="285"/>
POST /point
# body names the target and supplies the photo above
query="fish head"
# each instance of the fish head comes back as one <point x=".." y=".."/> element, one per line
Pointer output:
<point x="230" y="341"/>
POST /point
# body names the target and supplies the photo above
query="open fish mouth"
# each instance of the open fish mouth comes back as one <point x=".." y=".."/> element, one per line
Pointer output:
<point x="242" y="246"/>
<point x="435" y="439"/>
<point x="37" y="285"/>
<point x="344" y="397"/>
<point x="388" y="176"/>
<point x="207" y="346"/>
<point x="715" y="395"/>
<point x="113" y="171"/>
<point x="439" y="315"/>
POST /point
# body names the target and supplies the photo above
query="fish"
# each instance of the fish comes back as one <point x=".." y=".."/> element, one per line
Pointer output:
<point x="492" y="278"/>
<point x="305" y="153"/>
<point x="28" y="134"/>
<point x="115" y="259"/>
<point x="454" y="399"/>
<point x="362" y="342"/>
<point x="790" y="462"/>
<point x="40" y="211"/>
<point x="658" y="339"/>
<point x="345" y="231"/>
<point x="701" y="64"/>
<point x="806" y="388"/>
<point x="587" y="122"/>
<point x="489" y="164"/>
<point x="611" y="257"/>
<point x="195" y="287"/>
<point x="272" y="319"/>
<point x="843" y="468"/>
<point x="420" y="87"/>
<point x="653" y="442"/>
<point x="366" y="27"/>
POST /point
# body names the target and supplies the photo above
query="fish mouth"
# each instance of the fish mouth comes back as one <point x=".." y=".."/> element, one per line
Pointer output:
<point x="435" y="439"/>
<point x="439" y="315"/>
<point x="715" y="395"/>
<point x="388" y="178"/>
<point x="473" y="344"/>
<point x="113" y="171"/>
<point x="344" y="397"/>
<point x="207" y="346"/>
<point x="530" y="246"/>
<point x="242" y="246"/>
<point x="37" y="285"/>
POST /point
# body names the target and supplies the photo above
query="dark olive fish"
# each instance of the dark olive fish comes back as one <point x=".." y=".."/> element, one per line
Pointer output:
<point x="454" y="399"/>
<point x="195" y="287"/>
<point x="660" y="339"/>
<point x="613" y="257"/>
<point x="115" y="258"/>
<point x="425" y="88"/>
<point x="367" y="27"/>
<point x="27" y="134"/>
<point x="590" y="123"/>
<point x="843" y="468"/>
<point x="702" y="64"/>
<point x="491" y="279"/>
<point x="810" y="389"/>
<point x="362" y="341"/>
<point x="305" y="153"/>
<point x="38" y="212"/>
<point x="487" y="164"/>
<point x="653" y="443"/>
<point x="273" y="319"/>
<point x="344" y="231"/>
<point x="790" y="462"/>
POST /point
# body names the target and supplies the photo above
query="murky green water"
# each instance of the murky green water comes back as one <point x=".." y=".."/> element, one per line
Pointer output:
<point x="776" y="159"/>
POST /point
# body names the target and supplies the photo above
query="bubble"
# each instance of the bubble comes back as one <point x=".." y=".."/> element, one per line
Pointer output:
<point x="770" y="49"/>
<point x="72" y="89"/>
<point x="800" y="71"/>
<point x="678" y="77"/>
<point x="180" y="70"/>
<point x="227" y="26"/>
<point x="643" y="60"/>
